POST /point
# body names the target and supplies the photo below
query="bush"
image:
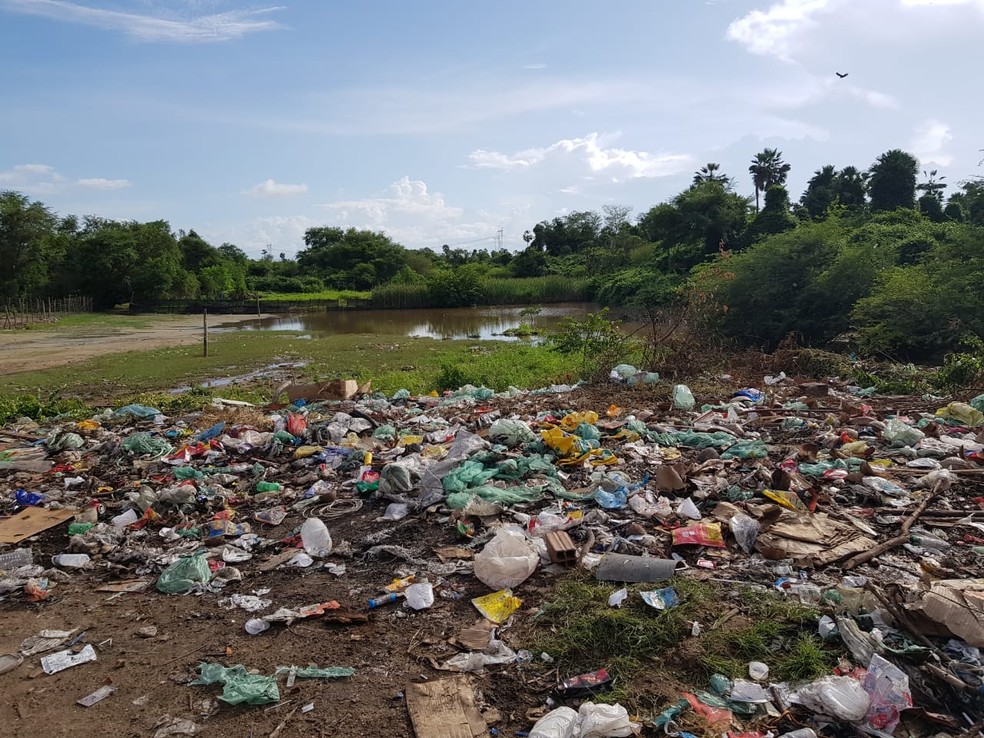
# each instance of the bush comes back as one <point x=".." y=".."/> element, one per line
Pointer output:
<point x="595" y="343"/>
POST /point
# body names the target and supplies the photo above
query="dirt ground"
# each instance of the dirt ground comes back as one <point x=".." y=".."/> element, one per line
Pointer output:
<point x="44" y="349"/>
<point x="390" y="651"/>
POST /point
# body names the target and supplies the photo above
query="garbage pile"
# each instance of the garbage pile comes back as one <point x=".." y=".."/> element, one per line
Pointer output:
<point x="869" y="509"/>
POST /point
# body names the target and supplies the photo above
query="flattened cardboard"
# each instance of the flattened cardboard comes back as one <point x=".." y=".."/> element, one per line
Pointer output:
<point x="31" y="521"/>
<point x="958" y="606"/>
<point x="338" y="389"/>
<point x="445" y="709"/>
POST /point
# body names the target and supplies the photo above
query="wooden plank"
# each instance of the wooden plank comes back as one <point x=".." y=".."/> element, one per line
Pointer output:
<point x="445" y="709"/>
<point x="31" y="521"/>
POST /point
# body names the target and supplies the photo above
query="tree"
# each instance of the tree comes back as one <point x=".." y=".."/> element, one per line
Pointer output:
<point x="775" y="216"/>
<point x="821" y="192"/>
<point x="575" y="232"/>
<point x="26" y="232"/>
<point x="892" y="181"/>
<point x="767" y="169"/>
<point x="197" y="253"/>
<point x="933" y="186"/>
<point x="970" y="198"/>
<point x="711" y="172"/>
<point x="930" y="206"/>
<point x="350" y="259"/>
<point x="850" y="187"/>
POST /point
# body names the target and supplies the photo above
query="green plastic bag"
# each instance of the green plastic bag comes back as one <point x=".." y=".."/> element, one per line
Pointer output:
<point x="502" y="495"/>
<point x="59" y="441"/>
<point x="239" y="687"/>
<point x="899" y="433"/>
<point x="978" y="403"/>
<point x="747" y="450"/>
<point x="469" y="474"/>
<point x="144" y="444"/>
<point x="317" y="672"/>
<point x="137" y="411"/>
<point x="511" y="433"/>
<point x="692" y="439"/>
<point x="588" y="432"/>
<point x="184" y="574"/>
<point x="187" y="472"/>
<point x="385" y="433"/>
<point x="683" y="398"/>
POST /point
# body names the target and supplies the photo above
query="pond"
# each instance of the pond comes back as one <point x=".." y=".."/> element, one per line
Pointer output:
<point x="484" y="323"/>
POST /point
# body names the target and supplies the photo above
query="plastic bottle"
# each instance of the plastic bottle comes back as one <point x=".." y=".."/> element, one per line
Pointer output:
<point x="268" y="487"/>
<point x="14" y="559"/>
<point x="29" y="499"/>
<point x="384" y="600"/>
<point x="70" y="561"/>
<point x="931" y="542"/>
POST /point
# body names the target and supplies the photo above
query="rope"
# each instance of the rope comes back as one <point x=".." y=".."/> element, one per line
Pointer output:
<point x="336" y="509"/>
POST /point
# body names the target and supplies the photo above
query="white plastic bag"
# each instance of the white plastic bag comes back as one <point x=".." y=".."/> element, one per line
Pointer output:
<point x="507" y="560"/>
<point x="560" y="723"/>
<point x="315" y="538"/>
<point x="839" y="697"/>
<point x="745" y="529"/>
<point x="605" y="721"/>
<point x="420" y="596"/>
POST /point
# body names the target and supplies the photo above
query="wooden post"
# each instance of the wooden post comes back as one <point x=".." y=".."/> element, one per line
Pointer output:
<point x="205" y="332"/>
<point x="257" y="307"/>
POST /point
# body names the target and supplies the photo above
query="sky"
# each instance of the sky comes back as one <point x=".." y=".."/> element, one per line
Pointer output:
<point x="443" y="122"/>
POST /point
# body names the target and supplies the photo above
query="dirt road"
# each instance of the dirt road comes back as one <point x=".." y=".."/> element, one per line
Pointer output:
<point x="43" y="349"/>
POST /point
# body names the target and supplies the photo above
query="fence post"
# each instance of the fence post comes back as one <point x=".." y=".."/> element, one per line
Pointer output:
<point x="205" y="332"/>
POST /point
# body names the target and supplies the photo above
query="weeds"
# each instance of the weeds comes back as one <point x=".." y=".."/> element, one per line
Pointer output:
<point x="595" y="343"/>
<point x="36" y="407"/>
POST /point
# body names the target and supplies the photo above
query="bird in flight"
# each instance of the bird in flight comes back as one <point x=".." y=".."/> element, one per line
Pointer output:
<point x="842" y="76"/>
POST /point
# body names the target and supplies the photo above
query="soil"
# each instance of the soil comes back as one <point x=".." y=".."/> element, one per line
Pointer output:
<point x="41" y="349"/>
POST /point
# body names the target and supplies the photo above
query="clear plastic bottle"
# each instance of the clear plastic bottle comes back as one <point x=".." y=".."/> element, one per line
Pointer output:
<point x="16" y="558"/>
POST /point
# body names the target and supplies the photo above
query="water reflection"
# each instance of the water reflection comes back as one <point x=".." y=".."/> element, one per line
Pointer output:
<point x="486" y="323"/>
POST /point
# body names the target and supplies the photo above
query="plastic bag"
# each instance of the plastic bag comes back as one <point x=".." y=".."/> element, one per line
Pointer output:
<point x="59" y="441"/>
<point x="137" y="411"/>
<point x="605" y="721"/>
<point x="507" y="560"/>
<point x="498" y="606"/>
<point x="747" y="450"/>
<point x="683" y="398"/>
<point x="560" y="723"/>
<point x="839" y="697"/>
<point x="385" y="433"/>
<point x="745" y="529"/>
<point x="623" y="372"/>
<point x="699" y="534"/>
<point x="789" y="500"/>
<point x="511" y="433"/>
<point x="315" y="538"/>
<point x="900" y="434"/>
<point x="888" y="688"/>
<point x="961" y="413"/>
<point x="144" y="443"/>
<point x="184" y="574"/>
<point x="692" y="439"/>
<point x="238" y="686"/>
<point x="420" y="596"/>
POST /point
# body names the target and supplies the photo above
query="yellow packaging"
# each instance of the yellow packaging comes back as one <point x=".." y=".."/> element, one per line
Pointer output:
<point x="87" y="425"/>
<point x="789" y="500"/>
<point x="498" y="606"/>
<point x="303" y="452"/>
<point x="572" y="421"/>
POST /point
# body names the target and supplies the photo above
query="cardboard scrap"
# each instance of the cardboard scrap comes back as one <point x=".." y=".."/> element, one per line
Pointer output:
<point x="955" y="607"/>
<point x="810" y="540"/>
<point x="476" y="637"/>
<point x="338" y="389"/>
<point x="127" y="585"/>
<point x="31" y="521"/>
<point x="445" y="708"/>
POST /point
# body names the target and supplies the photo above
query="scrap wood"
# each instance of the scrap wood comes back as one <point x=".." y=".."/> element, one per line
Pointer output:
<point x="888" y="545"/>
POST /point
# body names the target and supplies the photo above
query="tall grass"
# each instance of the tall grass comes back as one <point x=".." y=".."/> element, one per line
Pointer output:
<point x="494" y="291"/>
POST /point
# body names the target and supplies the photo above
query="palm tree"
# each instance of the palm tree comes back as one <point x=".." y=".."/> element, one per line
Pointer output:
<point x="767" y="169"/>
<point x="933" y="186"/>
<point x="710" y="172"/>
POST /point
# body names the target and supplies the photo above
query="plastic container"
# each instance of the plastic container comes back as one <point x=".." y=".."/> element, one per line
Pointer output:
<point x="315" y="538"/>
<point x="16" y="558"/>
<point x="384" y="600"/>
<point x="268" y="487"/>
<point x="71" y="561"/>
<point x="124" y="519"/>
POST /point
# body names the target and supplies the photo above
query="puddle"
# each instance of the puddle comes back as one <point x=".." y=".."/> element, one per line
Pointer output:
<point x="263" y="373"/>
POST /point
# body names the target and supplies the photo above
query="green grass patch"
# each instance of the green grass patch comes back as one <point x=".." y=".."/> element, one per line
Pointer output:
<point x="635" y="642"/>
<point x="39" y="408"/>
<point x="308" y="296"/>
<point x="419" y="365"/>
<point x="97" y="323"/>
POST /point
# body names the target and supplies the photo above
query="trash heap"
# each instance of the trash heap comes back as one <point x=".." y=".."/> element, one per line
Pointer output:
<point x="867" y="509"/>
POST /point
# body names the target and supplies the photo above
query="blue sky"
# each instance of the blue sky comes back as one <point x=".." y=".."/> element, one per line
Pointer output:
<point x="441" y="122"/>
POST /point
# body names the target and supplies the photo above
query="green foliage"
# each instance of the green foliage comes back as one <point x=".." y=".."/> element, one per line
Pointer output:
<point x="350" y="259"/>
<point x="37" y="407"/>
<point x="821" y="192"/>
<point x="767" y="169"/>
<point x="490" y="291"/>
<point x="501" y="367"/>
<point x="595" y="343"/>
<point x="892" y="181"/>
<point x="26" y="242"/>
<point x="775" y="217"/>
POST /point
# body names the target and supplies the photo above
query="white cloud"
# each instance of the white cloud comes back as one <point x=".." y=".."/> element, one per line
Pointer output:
<point x="99" y="183"/>
<point x="930" y="138"/>
<point x="156" y="28"/>
<point x="270" y="188"/>
<point x="774" y="30"/>
<point x="619" y="163"/>
<point x="534" y="66"/>
<point x="403" y="197"/>
<point x="44" y="179"/>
